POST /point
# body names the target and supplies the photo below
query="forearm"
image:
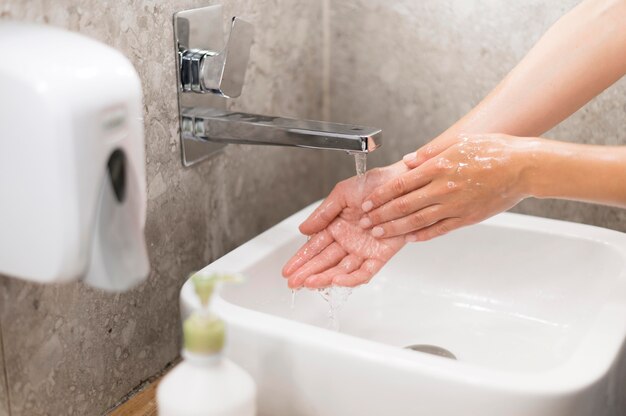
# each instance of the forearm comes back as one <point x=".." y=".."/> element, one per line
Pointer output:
<point x="577" y="58"/>
<point x="576" y="172"/>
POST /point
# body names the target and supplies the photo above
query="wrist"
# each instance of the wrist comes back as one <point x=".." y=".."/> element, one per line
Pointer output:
<point x="555" y="169"/>
<point x="578" y="172"/>
<point x="532" y="159"/>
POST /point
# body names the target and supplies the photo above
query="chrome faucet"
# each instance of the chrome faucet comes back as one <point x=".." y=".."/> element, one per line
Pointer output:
<point x="210" y="72"/>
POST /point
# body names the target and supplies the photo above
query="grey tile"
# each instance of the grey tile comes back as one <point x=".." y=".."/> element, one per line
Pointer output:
<point x="435" y="60"/>
<point x="73" y="350"/>
<point x="4" y="399"/>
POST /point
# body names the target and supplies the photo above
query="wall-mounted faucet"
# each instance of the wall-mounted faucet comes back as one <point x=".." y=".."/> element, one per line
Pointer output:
<point x="210" y="72"/>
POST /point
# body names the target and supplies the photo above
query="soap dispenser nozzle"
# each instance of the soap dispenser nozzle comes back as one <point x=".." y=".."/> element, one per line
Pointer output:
<point x="204" y="284"/>
<point x="204" y="333"/>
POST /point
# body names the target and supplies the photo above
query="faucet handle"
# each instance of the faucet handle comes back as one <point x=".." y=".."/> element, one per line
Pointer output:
<point x="224" y="73"/>
<point x="205" y="70"/>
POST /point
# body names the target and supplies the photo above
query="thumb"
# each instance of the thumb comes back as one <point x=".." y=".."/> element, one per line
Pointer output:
<point x="325" y="213"/>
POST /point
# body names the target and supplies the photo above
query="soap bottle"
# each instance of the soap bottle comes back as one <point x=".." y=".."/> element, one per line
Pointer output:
<point x="205" y="383"/>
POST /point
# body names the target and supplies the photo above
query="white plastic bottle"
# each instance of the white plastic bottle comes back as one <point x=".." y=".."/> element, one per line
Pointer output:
<point x="206" y="383"/>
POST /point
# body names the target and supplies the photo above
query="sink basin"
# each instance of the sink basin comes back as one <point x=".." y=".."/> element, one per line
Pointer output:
<point x="534" y="310"/>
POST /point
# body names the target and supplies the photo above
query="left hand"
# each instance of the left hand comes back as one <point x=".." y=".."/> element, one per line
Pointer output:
<point x="470" y="181"/>
<point x="339" y="252"/>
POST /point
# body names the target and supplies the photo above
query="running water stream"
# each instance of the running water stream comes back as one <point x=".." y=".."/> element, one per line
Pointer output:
<point x="337" y="296"/>
<point x="360" y="162"/>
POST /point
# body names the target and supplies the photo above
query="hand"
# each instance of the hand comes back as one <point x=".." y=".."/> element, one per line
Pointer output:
<point x="339" y="252"/>
<point x="471" y="180"/>
<point x="431" y="149"/>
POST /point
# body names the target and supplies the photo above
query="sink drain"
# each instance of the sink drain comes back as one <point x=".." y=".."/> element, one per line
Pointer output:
<point x="432" y="349"/>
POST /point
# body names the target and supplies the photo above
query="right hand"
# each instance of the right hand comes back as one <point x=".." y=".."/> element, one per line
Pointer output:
<point x="431" y="149"/>
<point x="469" y="182"/>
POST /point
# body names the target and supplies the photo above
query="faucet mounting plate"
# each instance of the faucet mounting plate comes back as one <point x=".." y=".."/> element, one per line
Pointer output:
<point x="202" y="30"/>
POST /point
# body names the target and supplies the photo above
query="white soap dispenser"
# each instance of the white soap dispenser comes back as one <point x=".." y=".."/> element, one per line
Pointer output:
<point x="72" y="163"/>
<point x="206" y="383"/>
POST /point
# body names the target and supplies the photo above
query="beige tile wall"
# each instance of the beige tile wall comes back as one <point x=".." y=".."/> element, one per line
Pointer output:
<point x="415" y="67"/>
<point x="73" y="350"/>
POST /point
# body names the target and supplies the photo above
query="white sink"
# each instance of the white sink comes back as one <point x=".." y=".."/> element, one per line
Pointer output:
<point x="533" y="309"/>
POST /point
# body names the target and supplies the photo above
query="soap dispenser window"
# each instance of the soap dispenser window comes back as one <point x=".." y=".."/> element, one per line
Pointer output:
<point x="117" y="173"/>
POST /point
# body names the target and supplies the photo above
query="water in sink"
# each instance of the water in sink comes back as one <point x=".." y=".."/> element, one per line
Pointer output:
<point x="336" y="296"/>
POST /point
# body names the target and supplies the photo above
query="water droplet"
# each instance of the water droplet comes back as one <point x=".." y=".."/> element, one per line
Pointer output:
<point x="336" y="296"/>
<point x="293" y="298"/>
<point x="442" y="162"/>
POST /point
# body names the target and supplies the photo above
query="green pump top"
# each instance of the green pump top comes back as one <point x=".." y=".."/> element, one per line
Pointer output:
<point x="204" y="333"/>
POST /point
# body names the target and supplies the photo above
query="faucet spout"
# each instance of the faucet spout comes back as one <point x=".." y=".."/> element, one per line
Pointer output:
<point x="210" y="71"/>
<point x="222" y="126"/>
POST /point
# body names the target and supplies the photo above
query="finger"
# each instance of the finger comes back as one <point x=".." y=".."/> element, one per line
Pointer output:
<point x="326" y="212"/>
<point x="310" y="249"/>
<point x="400" y="185"/>
<point x="401" y="207"/>
<point x="349" y="264"/>
<point x="329" y="257"/>
<point x="412" y="222"/>
<point x="435" y="230"/>
<point x="360" y="276"/>
<point x="428" y="151"/>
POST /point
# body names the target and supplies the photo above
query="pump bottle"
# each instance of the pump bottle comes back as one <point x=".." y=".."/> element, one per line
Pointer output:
<point x="206" y="383"/>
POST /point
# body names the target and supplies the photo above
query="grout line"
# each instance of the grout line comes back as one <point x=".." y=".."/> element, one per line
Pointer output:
<point x="326" y="60"/>
<point x="4" y="370"/>
<point x="141" y="387"/>
<point x="326" y="94"/>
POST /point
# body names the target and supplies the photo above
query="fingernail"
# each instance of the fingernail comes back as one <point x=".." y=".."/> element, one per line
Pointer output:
<point x="367" y="206"/>
<point x="409" y="157"/>
<point x="411" y="238"/>
<point x="378" y="232"/>
<point x="365" y="222"/>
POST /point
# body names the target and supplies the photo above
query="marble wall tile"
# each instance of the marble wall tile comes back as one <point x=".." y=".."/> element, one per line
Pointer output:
<point x="409" y="67"/>
<point x="73" y="350"/>
<point x="415" y="67"/>
<point x="4" y="398"/>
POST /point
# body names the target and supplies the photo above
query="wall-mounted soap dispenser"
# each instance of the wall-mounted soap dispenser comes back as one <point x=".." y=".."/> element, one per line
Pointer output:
<point x="72" y="169"/>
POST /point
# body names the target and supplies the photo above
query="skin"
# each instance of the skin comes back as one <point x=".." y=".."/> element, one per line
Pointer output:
<point x="339" y="252"/>
<point x="536" y="95"/>
<point x="483" y="175"/>
<point x="477" y="168"/>
<point x="543" y="90"/>
<point x="466" y="183"/>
